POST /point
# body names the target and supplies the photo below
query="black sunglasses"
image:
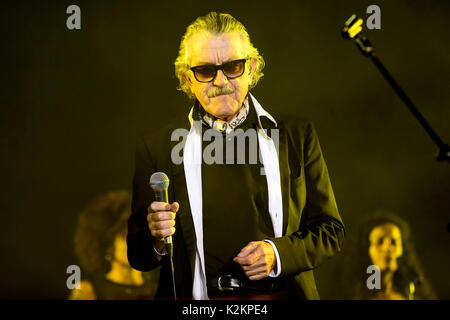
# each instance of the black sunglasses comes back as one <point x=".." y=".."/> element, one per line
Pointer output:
<point x="207" y="73"/>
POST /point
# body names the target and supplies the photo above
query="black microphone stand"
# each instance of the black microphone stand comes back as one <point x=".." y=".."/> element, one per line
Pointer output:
<point x="352" y="30"/>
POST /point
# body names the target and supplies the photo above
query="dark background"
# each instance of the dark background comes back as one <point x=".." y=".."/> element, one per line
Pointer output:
<point x="73" y="102"/>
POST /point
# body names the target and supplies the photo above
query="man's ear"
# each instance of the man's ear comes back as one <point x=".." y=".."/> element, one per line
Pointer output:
<point x="253" y="64"/>
<point x="186" y="77"/>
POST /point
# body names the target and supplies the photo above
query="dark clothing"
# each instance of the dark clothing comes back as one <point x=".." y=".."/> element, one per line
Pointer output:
<point x="312" y="228"/>
<point x="238" y="205"/>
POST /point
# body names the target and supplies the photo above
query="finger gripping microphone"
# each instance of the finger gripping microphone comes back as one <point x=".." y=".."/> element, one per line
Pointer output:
<point x="159" y="182"/>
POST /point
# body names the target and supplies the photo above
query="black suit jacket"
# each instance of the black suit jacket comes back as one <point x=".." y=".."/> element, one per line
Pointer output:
<point x="312" y="227"/>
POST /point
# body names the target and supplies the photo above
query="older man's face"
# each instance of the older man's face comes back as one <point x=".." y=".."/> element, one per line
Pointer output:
<point x="206" y="49"/>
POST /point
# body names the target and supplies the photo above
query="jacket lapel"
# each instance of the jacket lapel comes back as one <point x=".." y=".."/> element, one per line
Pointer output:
<point x="284" y="175"/>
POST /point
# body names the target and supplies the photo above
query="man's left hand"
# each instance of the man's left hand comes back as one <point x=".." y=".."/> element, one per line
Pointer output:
<point x="257" y="259"/>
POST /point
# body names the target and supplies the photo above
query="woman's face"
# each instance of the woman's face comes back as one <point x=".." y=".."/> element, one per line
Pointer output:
<point x="385" y="246"/>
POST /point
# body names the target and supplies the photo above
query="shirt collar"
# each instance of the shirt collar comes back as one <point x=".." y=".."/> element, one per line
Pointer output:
<point x="261" y="113"/>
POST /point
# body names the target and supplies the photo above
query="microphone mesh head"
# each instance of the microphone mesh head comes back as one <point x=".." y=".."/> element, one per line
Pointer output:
<point x="159" y="181"/>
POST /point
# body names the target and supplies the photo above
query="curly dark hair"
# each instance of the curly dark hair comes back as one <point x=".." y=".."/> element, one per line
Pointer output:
<point x="98" y="225"/>
<point x="409" y="268"/>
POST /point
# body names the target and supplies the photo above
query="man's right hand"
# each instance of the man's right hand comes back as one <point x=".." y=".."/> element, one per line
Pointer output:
<point x="161" y="221"/>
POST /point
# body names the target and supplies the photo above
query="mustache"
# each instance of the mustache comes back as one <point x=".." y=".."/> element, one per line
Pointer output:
<point x="218" y="91"/>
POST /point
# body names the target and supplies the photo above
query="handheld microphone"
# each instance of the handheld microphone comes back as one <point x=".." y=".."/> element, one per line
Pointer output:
<point x="159" y="182"/>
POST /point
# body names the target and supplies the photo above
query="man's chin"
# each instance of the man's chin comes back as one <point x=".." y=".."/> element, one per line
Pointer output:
<point x="222" y="115"/>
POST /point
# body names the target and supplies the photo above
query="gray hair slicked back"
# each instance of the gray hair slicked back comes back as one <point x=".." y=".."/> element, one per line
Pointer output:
<point x="215" y="24"/>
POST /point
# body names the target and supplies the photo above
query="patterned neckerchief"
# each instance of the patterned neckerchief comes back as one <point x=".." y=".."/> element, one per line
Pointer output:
<point x="222" y="125"/>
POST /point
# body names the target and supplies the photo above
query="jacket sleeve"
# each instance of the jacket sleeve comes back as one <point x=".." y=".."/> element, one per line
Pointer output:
<point x="321" y="230"/>
<point x="141" y="254"/>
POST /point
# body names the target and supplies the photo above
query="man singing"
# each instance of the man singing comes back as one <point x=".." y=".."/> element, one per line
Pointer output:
<point x="241" y="228"/>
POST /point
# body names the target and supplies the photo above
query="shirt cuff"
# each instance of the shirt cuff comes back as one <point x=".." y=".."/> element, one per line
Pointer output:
<point x="160" y="255"/>
<point x="275" y="272"/>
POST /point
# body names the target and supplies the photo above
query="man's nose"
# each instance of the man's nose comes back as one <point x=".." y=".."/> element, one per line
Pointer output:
<point x="221" y="79"/>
